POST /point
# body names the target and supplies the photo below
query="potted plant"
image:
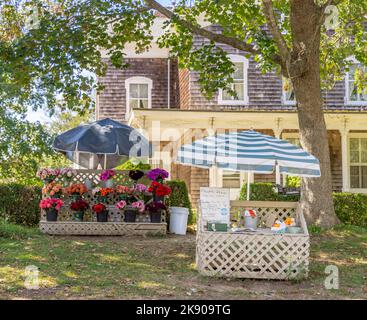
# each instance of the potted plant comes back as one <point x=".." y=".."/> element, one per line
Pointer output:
<point x="75" y="191"/>
<point x="124" y="192"/>
<point x="52" y="207"/>
<point x="79" y="207"/>
<point x="136" y="175"/>
<point x="68" y="174"/>
<point x="103" y="193"/>
<point x="106" y="176"/>
<point x="158" y="175"/>
<point x="155" y="210"/>
<point x="101" y="212"/>
<point x="131" y="208"/>
<point x="52" y="189"/>
<point x="159" y="191"/>
<point x="47" y="175"/>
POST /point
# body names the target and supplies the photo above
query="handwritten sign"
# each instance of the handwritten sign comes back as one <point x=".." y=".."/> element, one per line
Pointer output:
<point x="215" y="204"/>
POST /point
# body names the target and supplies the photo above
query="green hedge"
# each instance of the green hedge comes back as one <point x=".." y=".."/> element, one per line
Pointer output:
<point x="19" y="204"/>
<point x="351" y="208"/>
<point x="264" y="191"/>
<point x="180" y="197"/>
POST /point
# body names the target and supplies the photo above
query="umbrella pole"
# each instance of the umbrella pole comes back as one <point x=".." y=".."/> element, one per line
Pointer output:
<point x="248" y="186"/>
<point x="105" y="161"/>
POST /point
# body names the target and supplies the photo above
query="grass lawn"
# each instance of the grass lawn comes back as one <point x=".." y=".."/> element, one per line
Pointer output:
<point x="164" y="268"/>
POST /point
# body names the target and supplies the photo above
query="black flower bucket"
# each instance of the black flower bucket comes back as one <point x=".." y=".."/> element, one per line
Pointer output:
<point x="155" y="217"/>
<point x="51" y="214"/>
<point x="79" y="216"/>
<point x="102" y="216"/>
<point x="130" y="215"/>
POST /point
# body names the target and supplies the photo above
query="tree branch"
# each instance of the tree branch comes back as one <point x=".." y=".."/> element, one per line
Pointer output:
<point x="274" y="29"/>
<point x="216" y="37"/>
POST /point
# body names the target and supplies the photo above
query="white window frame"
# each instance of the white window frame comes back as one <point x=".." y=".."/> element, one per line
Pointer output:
<point x="353" y="135"/>
<point x="138" y="80"/>
<point x="346" y="83"/>
<point x="237" y="58"/>
<point x="284" y="96"/>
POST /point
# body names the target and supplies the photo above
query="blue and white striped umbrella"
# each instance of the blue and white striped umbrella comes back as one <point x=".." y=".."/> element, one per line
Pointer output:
<point x="249" y="151"/>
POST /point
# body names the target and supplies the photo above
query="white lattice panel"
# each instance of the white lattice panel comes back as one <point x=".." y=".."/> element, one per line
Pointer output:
<point x="102" y="228"/>
<point x="255" y="255"/>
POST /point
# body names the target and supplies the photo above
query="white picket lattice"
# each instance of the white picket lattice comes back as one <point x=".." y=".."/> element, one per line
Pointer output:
<point x="102" y="228"/>
<point x="260" y="255"/>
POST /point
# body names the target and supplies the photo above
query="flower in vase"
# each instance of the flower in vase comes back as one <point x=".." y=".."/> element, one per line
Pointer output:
<point x="79" y="205"/>
<point x="121" y="204"/>
<point x="49" y="203"/>
<point x="107" y="174"/>
<point x="140" y="187"/>
<point x="139" y="205"/>
<point x="157" y="174"/>
<point x="99" y="207"/>
<point x="136" y="174"/>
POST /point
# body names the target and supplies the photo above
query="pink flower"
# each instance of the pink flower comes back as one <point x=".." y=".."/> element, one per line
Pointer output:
<point x="121" y="204"/>
<point x="51" y="203"/>
<point x="139" y="205"/>
<point x="140" y="187"/>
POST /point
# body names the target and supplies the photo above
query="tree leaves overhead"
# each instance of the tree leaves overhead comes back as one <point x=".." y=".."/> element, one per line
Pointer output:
<point x="44" y="64"/>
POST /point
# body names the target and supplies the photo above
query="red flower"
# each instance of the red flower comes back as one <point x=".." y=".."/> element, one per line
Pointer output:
<point x="99" y="207"/>
<point x="79" y="205"/>
<point x="159" y="189"/>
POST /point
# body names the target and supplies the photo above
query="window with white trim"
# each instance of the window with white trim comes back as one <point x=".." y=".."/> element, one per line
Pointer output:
<point x="138" y="93"/>
<point x="239" y="85"/>
<point x="358" y="162"/>
<point x="288" y="92"/>
<point x="353" y="94"/>
<point x="231" y="179"/>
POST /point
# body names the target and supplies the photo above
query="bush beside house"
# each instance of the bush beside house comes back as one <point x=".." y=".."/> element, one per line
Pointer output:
<point x="19" y="204"/>
<point x="351" y="208"/>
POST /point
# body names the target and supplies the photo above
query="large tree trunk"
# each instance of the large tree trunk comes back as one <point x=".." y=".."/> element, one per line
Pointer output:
<point x="316" y="193"/>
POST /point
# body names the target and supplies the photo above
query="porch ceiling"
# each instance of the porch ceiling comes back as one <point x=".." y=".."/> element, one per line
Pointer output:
<point x="275" y="120"/>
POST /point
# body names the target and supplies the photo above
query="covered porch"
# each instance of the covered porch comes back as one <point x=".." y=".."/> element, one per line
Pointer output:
<point x="169" y="128"/>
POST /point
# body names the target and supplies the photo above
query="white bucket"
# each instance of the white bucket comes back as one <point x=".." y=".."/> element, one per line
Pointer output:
<point x="178" y="220"/>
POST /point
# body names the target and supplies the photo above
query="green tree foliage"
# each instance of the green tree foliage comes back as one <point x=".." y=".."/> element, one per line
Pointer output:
<point x="43" y="60"/>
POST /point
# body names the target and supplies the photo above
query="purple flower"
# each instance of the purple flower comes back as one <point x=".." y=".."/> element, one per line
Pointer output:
<point x="155" y="206"/>
<point x="140" y="187"/>
<point x="157" y="174"/>
<point x="106" y="175"/>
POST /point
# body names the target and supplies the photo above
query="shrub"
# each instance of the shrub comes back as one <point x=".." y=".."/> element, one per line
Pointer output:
<point x="264" y="191"/>
<point x="179" y="197"/>
<point x="351" y="208"/>
<point x="19" y="204"/>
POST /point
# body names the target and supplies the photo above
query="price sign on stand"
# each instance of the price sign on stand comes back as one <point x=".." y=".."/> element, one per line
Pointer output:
<point x="215" y="204"/>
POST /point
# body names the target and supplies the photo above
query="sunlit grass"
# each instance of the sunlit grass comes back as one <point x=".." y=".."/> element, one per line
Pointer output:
<point x="164" y="267"/>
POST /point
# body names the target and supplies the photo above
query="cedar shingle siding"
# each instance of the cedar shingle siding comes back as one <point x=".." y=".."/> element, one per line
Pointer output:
<point x="264" y="92"/>
<point x="112" y="100"/>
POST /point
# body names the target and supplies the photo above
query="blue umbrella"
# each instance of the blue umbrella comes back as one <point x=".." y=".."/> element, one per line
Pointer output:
<point x="249" y="151"/>
<point x="106" y="142"/>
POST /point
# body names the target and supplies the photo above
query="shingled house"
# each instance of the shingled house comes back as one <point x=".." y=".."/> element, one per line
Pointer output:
<point x="165" y="102"/>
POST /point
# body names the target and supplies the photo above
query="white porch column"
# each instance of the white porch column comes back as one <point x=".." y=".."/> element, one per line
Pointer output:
<point x="344" y="144"/>
<point x="277" y="134"/>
